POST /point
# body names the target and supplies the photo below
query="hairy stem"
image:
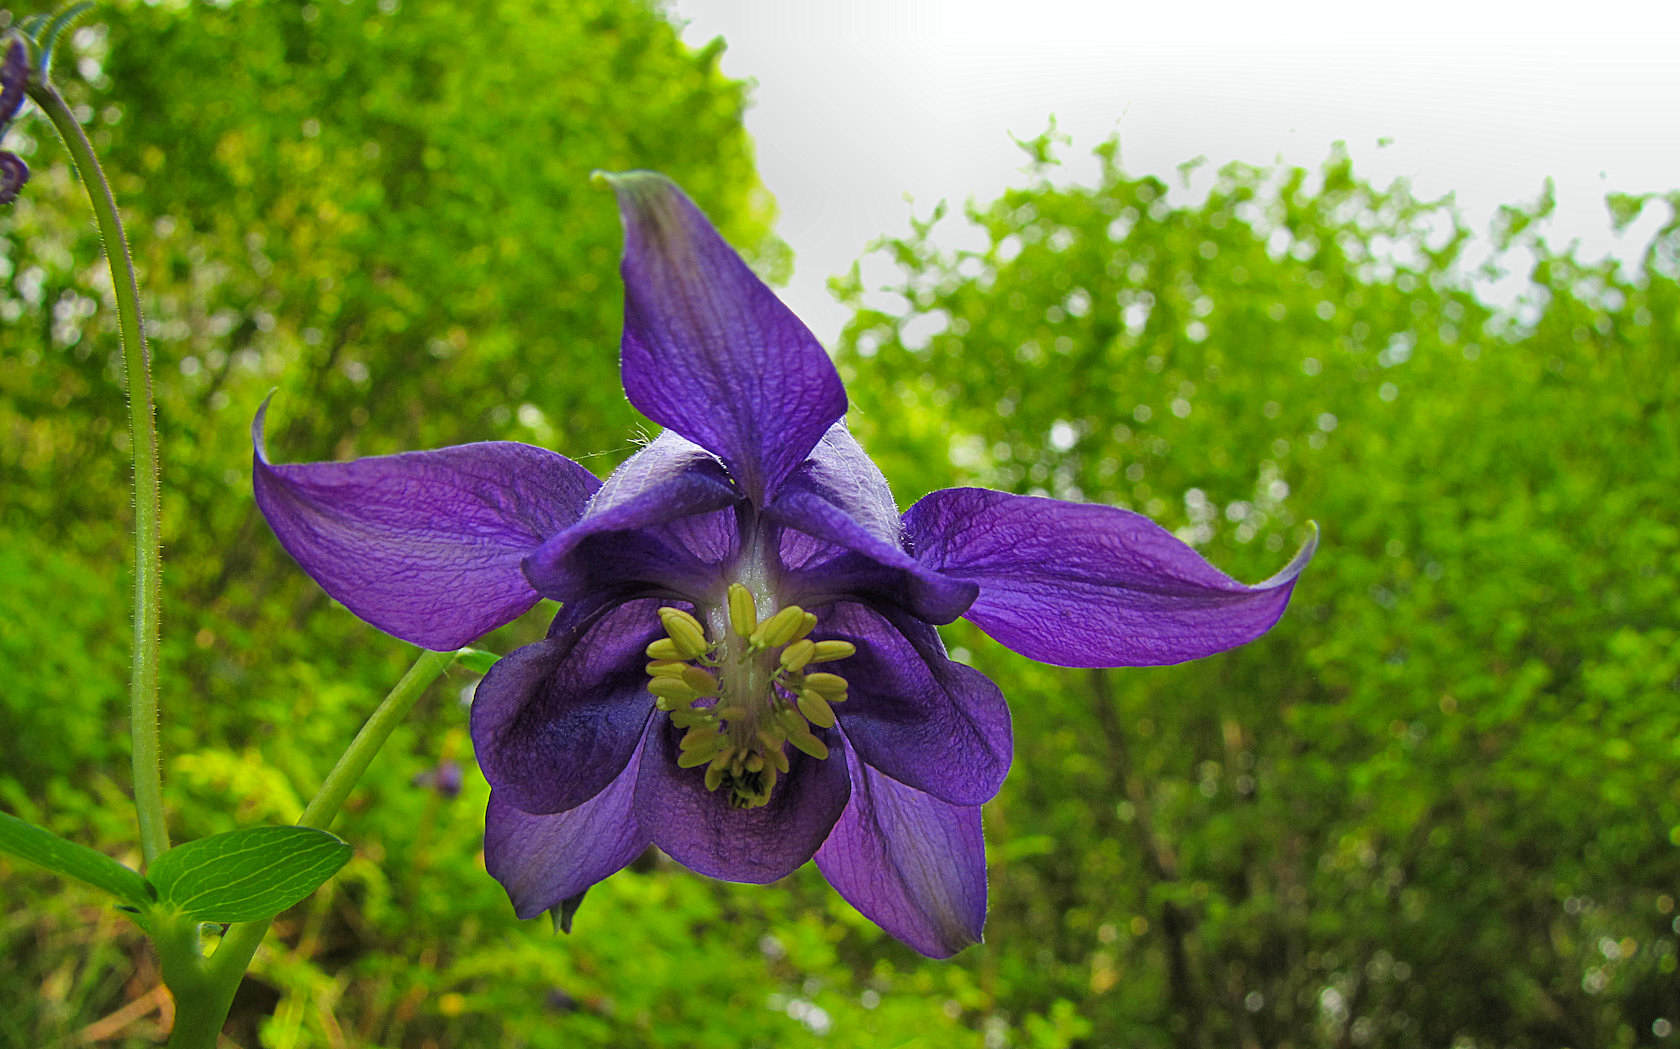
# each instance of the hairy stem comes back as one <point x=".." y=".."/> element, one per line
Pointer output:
<point x="148" y="557"/>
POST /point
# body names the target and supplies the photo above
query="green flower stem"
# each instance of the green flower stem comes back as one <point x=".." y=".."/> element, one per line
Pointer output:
<point x="148" y="556"/>
<point x="204" y="987"/>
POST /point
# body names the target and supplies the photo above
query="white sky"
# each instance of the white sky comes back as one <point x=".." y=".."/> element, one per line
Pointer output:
<point x="861" y="103"/>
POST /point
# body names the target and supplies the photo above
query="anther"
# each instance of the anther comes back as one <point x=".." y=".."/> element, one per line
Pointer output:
<point x="665" y="651"/>
<point x="743" y="611"/>
<point x="779" y="629"/>
<point x="795" y="656"/>
<point x="686" y="632"/>
<point x="815" y="708"/>
<point x="829" y="651"/>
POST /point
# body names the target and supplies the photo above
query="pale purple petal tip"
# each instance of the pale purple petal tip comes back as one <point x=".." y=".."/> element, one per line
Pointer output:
<point x="542" y="860"/>
<point x="910" y="863"/>
<point x="709" y="350"/>
<point x="1090" y="586"/>
<point x="423" y="545"/>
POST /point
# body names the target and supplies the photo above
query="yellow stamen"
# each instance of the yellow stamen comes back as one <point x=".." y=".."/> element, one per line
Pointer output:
<point x="672" y="690"/>
<point x="827" y="684"/>
<point x="665" y="651"/>
<point x="829" y="651"/>
<point x="795" y="656"/>
<point x="686" y="631"/>
<point x="779" y="629"/>
<point x="743" y="611"/>
<point x="816" y="709"/>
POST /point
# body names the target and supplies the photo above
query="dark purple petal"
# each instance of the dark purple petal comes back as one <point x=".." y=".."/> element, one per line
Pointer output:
<point x="910" y="863"/>
<point x="542" y="860"/>
<point x="14" y="173"/>
<point x="1090" y="586"/>
<point x="839" y="498"/>
<point x="709" y="351"/>
<point x="553" y="723"/>
<point x="660" y="524"/>
<point x="699" y="830"/>
<point x="930" y="723"/>
<point x="14" y="80"/>
<point x="424" y="545"/>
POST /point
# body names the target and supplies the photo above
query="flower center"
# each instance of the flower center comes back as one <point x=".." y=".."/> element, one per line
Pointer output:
<point x="746" y="696"/>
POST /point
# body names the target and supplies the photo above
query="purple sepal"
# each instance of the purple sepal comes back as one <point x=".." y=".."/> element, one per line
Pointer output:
<point x="839" y="497"/>
<point x="703" y="833"/>
<point x="554" y="722"/>
<point x="14" y="79"/>
<point x="13" y="174"/>
<point x="650" y="529"/>
<point x="910" y="863"/>
<point x="425" y="546"/>
<point x="709" y="350"/>
<point x="1090" y="586"/>
<point x="913" y="714"/>
<point x="545" y="860"/>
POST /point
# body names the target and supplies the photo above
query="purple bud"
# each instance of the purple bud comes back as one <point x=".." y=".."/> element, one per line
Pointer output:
<point x="13" y="174"/>
<point x="448" y="779"/>
<point x="14" y="74"/>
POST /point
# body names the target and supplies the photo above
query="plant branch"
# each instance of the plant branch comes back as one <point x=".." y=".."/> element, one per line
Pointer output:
<point x="148" y="556"/>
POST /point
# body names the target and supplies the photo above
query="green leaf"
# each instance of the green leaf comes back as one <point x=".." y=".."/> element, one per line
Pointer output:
<point x="476" y="660"/>
<point x="41" y="846"/>
<point x="247" y="875"/>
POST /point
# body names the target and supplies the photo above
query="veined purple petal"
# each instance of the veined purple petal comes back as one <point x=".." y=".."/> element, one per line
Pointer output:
<point x="910" y="863"/>
<point x="544" y="859"/>
<point x="423" y="545"/>
<point x="554" y="722"/>
<point x="619" y="544"/>
<point x="839" y="496"/>
<point x="699" y="830"/>
<point x="709" y="350"/>
<point x="930" y="723"/>
<point x="1090" y="586"/>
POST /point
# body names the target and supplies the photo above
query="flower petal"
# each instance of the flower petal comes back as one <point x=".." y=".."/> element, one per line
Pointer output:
<point x="554" y="722"/>
<point x="709" y="350"/>
<point x="423" y="545"/>
<point x="930" y="723"/>
<point x="542" y="860"/>
<point x="1090" y="586"/>
<point x="839" y="497"/>
<point x="699" y="830"/>
<point x="636" y="535"/>
<point x="910" y="863"/>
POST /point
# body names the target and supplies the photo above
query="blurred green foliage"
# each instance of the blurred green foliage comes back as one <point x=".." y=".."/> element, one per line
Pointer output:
<point x="1436" y="806"/>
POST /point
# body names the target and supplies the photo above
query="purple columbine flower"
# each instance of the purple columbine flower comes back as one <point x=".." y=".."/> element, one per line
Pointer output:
<point x="745" y="670"/>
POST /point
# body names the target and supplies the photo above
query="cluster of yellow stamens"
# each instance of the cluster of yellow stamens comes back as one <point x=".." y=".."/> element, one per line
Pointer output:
<point x="741" y="700"/>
